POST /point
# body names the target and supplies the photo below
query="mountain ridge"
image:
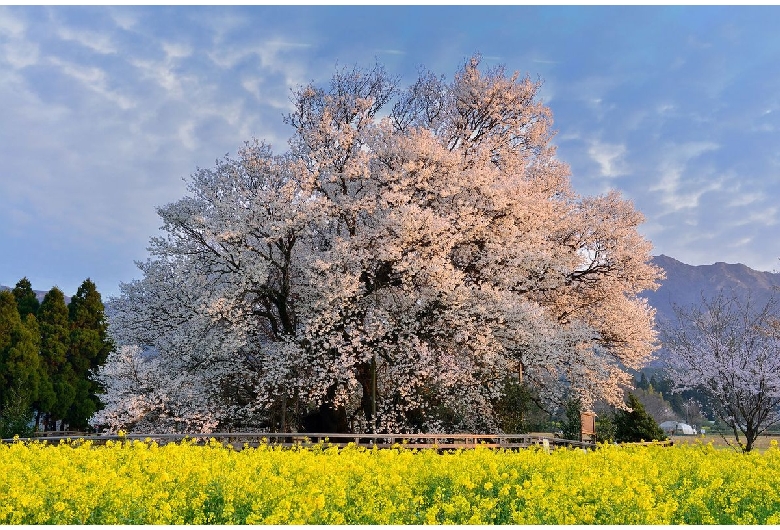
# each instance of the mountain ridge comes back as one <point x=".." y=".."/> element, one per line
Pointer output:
<point x="38" y="294"/>
<point x="686" y="284"/>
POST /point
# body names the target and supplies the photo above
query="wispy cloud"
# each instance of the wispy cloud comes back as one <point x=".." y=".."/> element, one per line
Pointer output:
<point x="163" y="73"/>
<point x="765" y="216"/>
<point x="267" y="93"/>
<point x="11" y="26"/>
<point x="269" y="52"/>
<point x="15" y="49"/>
<point x="95" y="79"/>
<point x="98" y="42"/>
<point x="19" y="53"/>
<point x="390" y="51"/>
<point x="744" y="199"/>
<point x="610" y="157"/>
<point x="678" y="189"/>
<point x="176" y="50"/>
<point x="124" y="19"/>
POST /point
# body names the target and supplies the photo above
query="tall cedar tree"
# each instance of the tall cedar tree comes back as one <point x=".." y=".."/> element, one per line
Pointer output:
<point x="26" y="301"/>
<point x="19" y="366"/>
<point x="58" y="389"/>
<point x="88" y="350"/>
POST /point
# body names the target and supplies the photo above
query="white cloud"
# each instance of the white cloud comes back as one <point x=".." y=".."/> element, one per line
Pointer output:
<point x="10" y="25"/>
<point x="391" y="52"/>
<point x="176" y="50"/>
<point x="162" y="73"/>
<point x="124" y="19"/>
<point x="99" y="42"/>
<point x="252" y="86"/>
<point x="593" y="90"/>
<point x="89" y="75"/>
<point x="547" y="92"/>
<point x="20" y="53"/>
<point x="224" y="23"/>
<point x="94" y="79"/>
<point x="609" y="157"/>
<point x="678" y="189"/>
<point x="695" y="42"/>
<point x="742" y="242"/>
<point x="744" y="199"/>
<point x="274" y="56"/>
<point x="266" y="95"/>
<point x="765" y="217"/>
<point x="165" y="72"/>
<point x="17" y="51"/>
<point x="186" y="135"/>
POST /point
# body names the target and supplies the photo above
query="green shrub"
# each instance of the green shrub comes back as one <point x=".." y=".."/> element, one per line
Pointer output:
<point x="637" y="425"/>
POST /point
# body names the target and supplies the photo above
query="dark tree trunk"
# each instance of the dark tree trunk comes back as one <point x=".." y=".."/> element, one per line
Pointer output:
<point x="326" y="419"/>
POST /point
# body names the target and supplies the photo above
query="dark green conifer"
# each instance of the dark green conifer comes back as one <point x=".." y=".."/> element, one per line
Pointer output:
<point x="19" y="367"/>
<point x="89" y="348"/>
<point x="57" y="390"/>
<point x="26" y="301"/>
<point x="572" y="424"/>
<point x="637" y="425"/>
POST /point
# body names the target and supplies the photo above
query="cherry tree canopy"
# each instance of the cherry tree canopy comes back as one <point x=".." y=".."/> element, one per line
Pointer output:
<point x="413" y="251"/>
<point x="728" y="348"/>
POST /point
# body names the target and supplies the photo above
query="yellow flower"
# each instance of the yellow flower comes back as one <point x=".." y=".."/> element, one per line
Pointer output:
<point x="142" y="483"/>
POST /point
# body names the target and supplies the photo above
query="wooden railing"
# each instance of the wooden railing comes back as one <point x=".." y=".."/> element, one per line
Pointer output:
<point x="381" y="441"/>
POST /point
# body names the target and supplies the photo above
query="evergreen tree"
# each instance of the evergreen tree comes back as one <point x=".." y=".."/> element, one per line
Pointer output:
<point x="643" y="383"/>
<point x="637" y="425"/>
<point x="88" y="350"/>
<point x="664" y="386"/>
<point x="58" y="389"/>
<point x="572" y="426"/>
<point x="26" y="300"/>
<point x="605" y="427"/>
<point x="9" y="318"/>
<point x="518" y="410"/>
<point x="19" y="367"/>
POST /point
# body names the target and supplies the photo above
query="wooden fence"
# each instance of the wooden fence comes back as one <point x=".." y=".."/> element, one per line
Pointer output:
<point x="381" y="441"/>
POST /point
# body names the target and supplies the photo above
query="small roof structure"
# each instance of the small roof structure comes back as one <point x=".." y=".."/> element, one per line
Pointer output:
<point x="677" y="427"/>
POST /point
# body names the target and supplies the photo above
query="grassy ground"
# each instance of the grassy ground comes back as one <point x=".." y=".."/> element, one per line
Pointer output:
<point x="717" y="440"/>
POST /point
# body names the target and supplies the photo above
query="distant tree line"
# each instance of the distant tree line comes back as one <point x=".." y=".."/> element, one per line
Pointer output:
<point x="49" y="352"/>
<point x="690" y="405"/>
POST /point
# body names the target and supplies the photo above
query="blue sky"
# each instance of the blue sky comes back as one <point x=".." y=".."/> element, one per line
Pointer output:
<point x="105" y="110"/>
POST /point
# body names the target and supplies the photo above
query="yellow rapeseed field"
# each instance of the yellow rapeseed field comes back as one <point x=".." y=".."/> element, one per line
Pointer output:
<point x="143" y="483"/>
